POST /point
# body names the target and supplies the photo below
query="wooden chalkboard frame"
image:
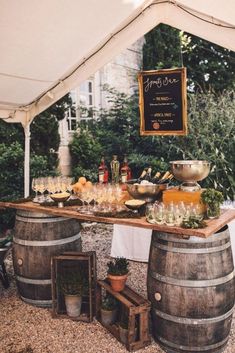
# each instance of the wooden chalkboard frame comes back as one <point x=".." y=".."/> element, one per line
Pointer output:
<point x="183" y="94"/>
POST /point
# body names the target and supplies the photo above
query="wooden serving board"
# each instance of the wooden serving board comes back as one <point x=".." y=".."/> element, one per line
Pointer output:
<point x="71" y="212"/>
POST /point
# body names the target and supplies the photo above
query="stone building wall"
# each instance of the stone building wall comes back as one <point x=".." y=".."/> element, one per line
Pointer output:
<point x="120" y="74"/>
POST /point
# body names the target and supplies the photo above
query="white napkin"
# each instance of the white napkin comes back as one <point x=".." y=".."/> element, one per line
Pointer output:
<point x="132" y="243"/>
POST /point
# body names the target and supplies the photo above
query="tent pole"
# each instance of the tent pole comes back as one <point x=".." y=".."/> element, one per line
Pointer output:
<point x="26" y="159"/>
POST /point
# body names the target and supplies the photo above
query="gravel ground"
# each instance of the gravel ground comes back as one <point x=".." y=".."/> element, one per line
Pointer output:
<point x="28" y="329"/>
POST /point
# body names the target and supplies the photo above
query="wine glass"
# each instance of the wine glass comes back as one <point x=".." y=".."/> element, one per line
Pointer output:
<point x="35" y="189"/>
<point x="89" y="198"/>
<point x="159" y="213"/>
<point x="50" y="188"/>
<point x="41" y="189"/>
<point x="82" y="197"/>
<point x="170" y="217"/>
<point x="150" y="213"/>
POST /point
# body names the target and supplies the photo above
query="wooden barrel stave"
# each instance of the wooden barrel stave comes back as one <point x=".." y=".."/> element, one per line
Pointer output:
<point x="201" y="302"/>
<point x="192" y="289"/>
<point x="181" y="338"/>
<point x="37" y="238"/>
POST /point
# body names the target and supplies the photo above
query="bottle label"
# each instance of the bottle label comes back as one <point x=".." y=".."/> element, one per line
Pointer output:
<point x="124" y="177"/>
<point x="101" y="177"/>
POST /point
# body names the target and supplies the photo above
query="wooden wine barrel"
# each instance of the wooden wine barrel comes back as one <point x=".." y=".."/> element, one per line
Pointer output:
<point x="191" y="286"/>
<point x="38" y="237"/>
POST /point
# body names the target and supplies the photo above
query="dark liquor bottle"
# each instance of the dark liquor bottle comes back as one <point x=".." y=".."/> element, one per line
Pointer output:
<point x="156" y="178"/>
<point x="103" y="172"/>
<point x="125" y="171"/>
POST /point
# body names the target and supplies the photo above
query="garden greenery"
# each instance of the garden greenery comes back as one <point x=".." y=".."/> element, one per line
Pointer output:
<point x="211" y="137"/>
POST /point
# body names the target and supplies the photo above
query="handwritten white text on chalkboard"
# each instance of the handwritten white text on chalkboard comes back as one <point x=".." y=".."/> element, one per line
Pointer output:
<point x="160" y="82"/>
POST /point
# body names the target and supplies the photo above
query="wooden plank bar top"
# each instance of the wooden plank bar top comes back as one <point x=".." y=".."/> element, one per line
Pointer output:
<point x="71" y="212"/>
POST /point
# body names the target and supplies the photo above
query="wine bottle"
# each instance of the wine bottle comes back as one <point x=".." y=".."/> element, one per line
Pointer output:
<point x="156" y="178"/>
<point x="166" y="179"/>
<point x="148" y="174"/>
<point x="115" y="166"/>
<point x="125" y="171"/>
<point x="165" y="176"/>
<point x="142" y="175"/>
<point x="103" y="173"/>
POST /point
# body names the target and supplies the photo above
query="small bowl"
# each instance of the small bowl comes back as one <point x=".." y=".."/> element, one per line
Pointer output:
<point x="60" y="197"/>
<point x="147" y="192"/>
<point x="134" y="204"/>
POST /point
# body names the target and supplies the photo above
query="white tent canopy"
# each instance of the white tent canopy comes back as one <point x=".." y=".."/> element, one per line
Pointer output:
<point x="48" y="47"/>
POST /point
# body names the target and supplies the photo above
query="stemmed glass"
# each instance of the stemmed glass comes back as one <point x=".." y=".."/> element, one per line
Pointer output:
<point x="41" y="189"/>
<point x="35" y="188"/>
<point x="82" y="197"/>
<point x="89" y="198"/>
<point x="50" y="188"/>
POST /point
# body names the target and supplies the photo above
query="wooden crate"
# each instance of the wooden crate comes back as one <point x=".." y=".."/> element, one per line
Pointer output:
<point x="138" y="310"/>
<point x="80" y="261"/>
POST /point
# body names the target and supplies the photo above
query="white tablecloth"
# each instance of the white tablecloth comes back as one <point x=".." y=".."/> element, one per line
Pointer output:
<point x="131" y="242"/>
<point x="134" y="243"/>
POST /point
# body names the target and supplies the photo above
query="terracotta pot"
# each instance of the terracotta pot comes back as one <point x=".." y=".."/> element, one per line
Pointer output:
<point x="73" y="305"/>
<point x="117" y="282"/>
<point x="108" y="317"/>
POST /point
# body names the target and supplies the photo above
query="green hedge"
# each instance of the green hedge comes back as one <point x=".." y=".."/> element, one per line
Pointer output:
<point x="211" y="123"/>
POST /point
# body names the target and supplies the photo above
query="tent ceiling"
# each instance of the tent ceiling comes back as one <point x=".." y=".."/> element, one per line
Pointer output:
<point x="53" y="45"/>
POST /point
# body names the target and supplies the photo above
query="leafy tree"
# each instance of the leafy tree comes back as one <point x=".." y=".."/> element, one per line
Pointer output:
<point x="162" y="48"/>
<point x="85" y="152"/>
<point x="45" y="137"/>
<point x="43" y="159"/>
<point x="209" y="115"/>
<point x="209" y="66"/>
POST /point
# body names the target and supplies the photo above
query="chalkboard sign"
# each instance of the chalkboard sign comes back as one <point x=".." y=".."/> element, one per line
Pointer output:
<point x="163" y="109"/>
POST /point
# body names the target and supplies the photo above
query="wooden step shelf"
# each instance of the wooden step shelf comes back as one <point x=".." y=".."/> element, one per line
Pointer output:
<point x="137" y="309"/>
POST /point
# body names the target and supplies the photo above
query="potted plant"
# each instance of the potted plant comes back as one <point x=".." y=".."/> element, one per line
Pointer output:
<point x="123" y="330"/>
<point x="109" y="310"/>
<point x="71" y="286"/>
<point x="212" y="199"/>
<point x="117" y="273"/>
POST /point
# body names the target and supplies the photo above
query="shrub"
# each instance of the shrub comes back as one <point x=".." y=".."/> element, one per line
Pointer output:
<point x="118" y="267"/>
<point x="211" y="125"/>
